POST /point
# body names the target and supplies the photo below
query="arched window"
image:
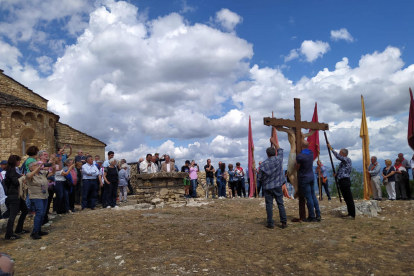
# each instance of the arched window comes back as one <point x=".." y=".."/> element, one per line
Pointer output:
<point x="17" y="115"/>
<point x="40" y="118"/>
<point x="27" y="139"/>
<point x="51" y="123"/>
<point x="30" y="116"/>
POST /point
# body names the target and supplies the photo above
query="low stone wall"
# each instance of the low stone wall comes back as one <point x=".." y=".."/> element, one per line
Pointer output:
<point x="135" y="179"/>
<point x="166" y="186"/>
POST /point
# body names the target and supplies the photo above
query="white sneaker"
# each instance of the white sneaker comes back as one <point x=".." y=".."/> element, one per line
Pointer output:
<point x="109" y="207"/>
<point x="116" y="207"/>
<point x="125" y="201"/>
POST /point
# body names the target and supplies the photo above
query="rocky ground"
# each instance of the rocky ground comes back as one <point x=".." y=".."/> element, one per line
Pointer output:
<point x="218" y="237"/>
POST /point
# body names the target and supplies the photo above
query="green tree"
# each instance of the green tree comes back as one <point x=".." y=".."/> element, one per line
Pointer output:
<point x="357" y="184"/>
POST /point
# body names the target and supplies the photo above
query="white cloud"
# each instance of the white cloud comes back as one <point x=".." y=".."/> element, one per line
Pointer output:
<point x="45" y="63"/>
<point x="171" y="83"/>
<point x="25" y="16"/>
<point x="292" y="55"/>
<point x="228" y="19"/>
<point x="185" y="7"/>
<point x="341" y="34"/>
<point x="9" y="56"/>
<point x="314" y="49"/>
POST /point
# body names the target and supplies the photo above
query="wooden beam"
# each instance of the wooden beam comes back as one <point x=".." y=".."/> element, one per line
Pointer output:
<point x="298" y="127"/>
<point x="289" y="123"/>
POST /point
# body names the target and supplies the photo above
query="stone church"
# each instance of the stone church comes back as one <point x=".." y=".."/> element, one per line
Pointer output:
<point x="25" y="121"/>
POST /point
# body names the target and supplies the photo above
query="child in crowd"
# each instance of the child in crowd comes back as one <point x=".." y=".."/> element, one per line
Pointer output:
<point x="123" y="183"/>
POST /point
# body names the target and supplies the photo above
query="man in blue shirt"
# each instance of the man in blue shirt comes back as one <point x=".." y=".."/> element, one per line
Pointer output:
<point x="374" y="171"/>
<point x="306" y="181"/>
<point x="271" y="177"/>
<point x="61" y="152"/>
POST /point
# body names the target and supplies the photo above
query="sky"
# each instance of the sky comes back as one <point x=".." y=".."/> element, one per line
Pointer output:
<point x="182" y="77"/>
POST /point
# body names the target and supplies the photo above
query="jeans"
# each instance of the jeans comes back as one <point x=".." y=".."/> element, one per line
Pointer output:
<point x="30" y="206"/>
<point x="49" y="201"/>
<point x="194" y="187"/>
<point x="40" y="209"/>
<point x="277" y="194"/>
<point x="259" y="187"/>
<point x="210" y="181"/>
<point x="16" y="204"/>
<point x="62" y="197"/>
<point x="89" y="189"/>
<point x="243" y="187"/>
<point x="345" y="186"/>
<point x="233" y="188"/>
<point x="222" y="188"/>
<point x="307" y="187"/>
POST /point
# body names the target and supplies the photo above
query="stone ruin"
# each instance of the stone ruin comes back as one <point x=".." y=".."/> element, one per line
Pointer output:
<point x="166" y="186"/>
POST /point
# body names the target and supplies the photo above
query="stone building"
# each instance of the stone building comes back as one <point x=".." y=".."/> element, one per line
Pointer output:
<point x="25" y="121"/>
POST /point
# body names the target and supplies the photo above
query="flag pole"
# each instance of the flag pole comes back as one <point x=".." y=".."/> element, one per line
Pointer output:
<point x="333" y="168"/>
<point x="319" y="179"/>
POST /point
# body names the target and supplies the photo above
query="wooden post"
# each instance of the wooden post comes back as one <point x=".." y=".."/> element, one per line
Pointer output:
<point x="333" y="167"/>
<point x="298" y="130"/>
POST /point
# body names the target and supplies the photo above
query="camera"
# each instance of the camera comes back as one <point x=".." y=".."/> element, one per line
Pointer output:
<point x="46" y="165"/>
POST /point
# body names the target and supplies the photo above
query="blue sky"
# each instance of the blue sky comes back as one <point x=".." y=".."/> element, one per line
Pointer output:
<point x="182" y="77"/>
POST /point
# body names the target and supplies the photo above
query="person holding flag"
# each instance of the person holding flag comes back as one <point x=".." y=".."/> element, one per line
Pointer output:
<point x="343" y="175"/>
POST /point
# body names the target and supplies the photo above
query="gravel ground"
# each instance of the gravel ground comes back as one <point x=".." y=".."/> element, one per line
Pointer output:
<point x="223" y="237"/>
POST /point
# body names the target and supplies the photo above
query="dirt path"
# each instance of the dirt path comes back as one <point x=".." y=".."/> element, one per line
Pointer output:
<point x="226" y="237"/>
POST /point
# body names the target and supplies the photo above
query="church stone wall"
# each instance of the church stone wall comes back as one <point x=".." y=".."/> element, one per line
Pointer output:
<point x="22" y="127"/>
<point x="12" y="87"/>
<point x="79" y="140"/>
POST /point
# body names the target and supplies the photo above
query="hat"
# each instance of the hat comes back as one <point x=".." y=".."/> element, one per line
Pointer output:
<point x="99" y="161"/>
<point x="187" y="161"/>
<point x="3" y="162"/>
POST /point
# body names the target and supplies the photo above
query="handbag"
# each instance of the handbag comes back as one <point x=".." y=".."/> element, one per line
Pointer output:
<point x="385" y="180"/>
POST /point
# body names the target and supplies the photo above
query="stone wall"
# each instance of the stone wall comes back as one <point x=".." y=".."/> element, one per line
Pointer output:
<point x="166" y="186"/>
<point x="79" y="140"/>
<point x="138" y="178"/>
<point x="24" y="127"/>
<point x="12" y="87"/>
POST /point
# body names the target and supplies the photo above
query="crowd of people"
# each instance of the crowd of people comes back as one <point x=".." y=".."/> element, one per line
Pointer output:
<point x="228" y="178"/>
<point x="43" y="180"/>
<point x="57" y="180"/>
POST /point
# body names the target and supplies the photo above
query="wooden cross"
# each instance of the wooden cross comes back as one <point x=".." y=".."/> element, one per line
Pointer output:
<point x="297" y="125"/>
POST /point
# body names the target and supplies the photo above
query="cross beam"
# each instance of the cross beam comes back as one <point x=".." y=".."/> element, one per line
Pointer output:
<point x="297" y="124"/>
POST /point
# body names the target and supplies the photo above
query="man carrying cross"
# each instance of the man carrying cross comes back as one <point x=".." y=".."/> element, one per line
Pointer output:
<point x="271" y="177"/>
<point x="295" y="137"/>
<point x="306" y="181"/>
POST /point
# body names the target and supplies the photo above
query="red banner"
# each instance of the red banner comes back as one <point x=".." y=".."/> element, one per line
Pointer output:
<point x="314" y="138"/>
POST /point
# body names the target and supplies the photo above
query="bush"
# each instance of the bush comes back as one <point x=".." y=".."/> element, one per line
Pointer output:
<point x="357" y="184"/>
